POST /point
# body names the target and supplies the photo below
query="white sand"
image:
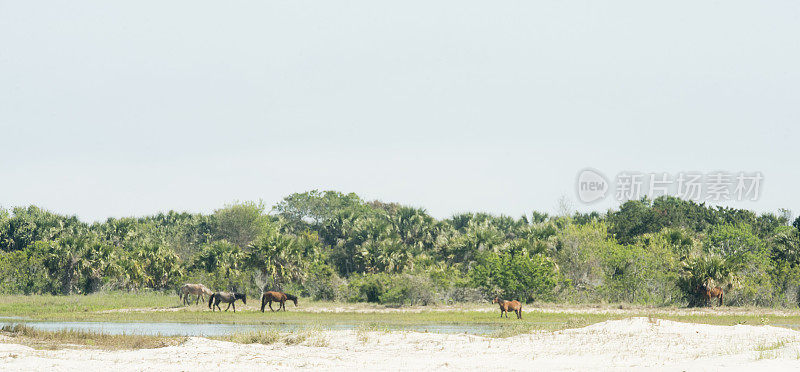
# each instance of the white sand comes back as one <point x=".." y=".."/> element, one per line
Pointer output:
<point x="635" y="343"/>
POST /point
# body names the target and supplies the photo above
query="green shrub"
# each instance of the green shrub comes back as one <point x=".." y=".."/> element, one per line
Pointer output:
<point x="408" y="289"/>
<point x="367" y="287"/>
<point x="323" y="283"/>
<point x="515" y="276"/>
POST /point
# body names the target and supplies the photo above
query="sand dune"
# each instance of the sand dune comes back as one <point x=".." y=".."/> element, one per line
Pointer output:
<point x="634" y="343"/>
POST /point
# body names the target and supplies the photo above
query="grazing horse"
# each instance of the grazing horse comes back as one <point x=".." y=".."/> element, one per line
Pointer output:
<point x="194" y="289"/>
<point x="711" y="292"/>
<point x="505" y="306"/>
<point x="226" y="297"/>
<point x="268" y="297"/>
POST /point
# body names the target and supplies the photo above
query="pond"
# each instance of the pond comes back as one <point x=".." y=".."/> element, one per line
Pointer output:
<point x="214" y="329"/>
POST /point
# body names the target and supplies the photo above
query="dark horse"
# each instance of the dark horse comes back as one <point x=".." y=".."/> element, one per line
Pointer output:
<point x="281" y="297"/>
<point x="505" y="306"/>
<point x="227" y="297"/>
<point x="710" y="292"/>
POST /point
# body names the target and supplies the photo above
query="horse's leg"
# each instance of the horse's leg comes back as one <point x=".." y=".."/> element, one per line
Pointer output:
<point x="263" y="303"/>
<point x="234" y="306"/>
<point x="229" y="306"/>
<point x="270" y="306"/>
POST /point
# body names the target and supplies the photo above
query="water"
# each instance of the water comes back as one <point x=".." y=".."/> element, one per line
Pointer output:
<point x="212" y="329"/>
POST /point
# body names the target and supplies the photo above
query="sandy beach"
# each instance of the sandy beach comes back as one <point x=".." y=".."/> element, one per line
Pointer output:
<point x="633" y="343"/>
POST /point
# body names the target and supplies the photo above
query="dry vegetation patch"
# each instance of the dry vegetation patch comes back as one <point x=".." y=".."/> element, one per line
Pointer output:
<point x="26" y="335"/>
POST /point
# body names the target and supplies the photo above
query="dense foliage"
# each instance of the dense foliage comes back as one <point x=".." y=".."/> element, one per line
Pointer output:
<point x="334" y="246"/>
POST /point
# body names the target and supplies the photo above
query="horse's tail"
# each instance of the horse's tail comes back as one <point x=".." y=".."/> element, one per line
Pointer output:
<point x="211" y="299"/>
<point x="263" y="301"/>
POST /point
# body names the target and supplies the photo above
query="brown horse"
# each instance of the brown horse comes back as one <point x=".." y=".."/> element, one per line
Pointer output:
<point x="711" y="292"/>
<point x="505" y="306"/>
<point x="268" y="297"/>
<point x="193" y="289"/>
<point x="226" y="297"/>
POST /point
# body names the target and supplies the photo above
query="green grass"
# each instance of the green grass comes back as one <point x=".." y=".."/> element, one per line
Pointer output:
<point x="159" y="307"/>
<point x="268" y="337"/>
<point x="769" y="350"/>
<point x="76" y="307"/>
<point x="168" y="309"/>
<point x="23" y="334"/>
<point x="256" y="337"/>
<point x="771" y="346"/>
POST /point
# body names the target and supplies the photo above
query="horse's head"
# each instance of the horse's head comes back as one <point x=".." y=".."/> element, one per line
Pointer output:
<point x="243" y="297"/>
<point x="496" y="300"/>
<point x="292" y="298"/>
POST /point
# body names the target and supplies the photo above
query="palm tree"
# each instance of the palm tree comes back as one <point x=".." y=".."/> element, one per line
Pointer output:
<point x="709" y="270"/>
<point x="786" y="246"/>
<point x="276" y="257"/>
<point x="156" y="265"/>
<point x="64" y="260"/>
<point x="220" y="256"/>
<point x="100" y="261"/>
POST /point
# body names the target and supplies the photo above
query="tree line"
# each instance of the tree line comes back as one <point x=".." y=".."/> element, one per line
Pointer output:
<point x="333" y="246"/>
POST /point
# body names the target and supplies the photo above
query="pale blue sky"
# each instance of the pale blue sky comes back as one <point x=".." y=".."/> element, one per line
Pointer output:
<point x="112" y="108"/>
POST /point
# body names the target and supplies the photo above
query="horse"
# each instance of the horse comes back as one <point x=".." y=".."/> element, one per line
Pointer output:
<point x="711" y="292"/>
<point x="194" y="289"/>
<point x="226" y="297"/>
<point x="268" y="297"/>
<point x="505" y="306"/>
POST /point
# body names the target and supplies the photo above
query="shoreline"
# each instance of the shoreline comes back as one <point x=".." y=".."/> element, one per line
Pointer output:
<point x="631" y="343"/>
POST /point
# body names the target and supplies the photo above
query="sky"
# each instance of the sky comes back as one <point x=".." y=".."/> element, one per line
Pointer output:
<point x="112" y="109"/>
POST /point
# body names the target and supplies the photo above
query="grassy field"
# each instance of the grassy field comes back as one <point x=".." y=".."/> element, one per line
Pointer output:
<point x="157" y="307"/>
<point x="22" y="334"/>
